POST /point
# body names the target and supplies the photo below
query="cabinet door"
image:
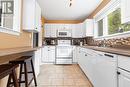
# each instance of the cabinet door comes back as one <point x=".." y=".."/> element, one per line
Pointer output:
<point x="89" y="27"/>
<point x="45" y="54"/>
<point x="51" y="55"/>
<point x="75" y="54"/>
<point x="37" y="60"/>
<point x="29" y="14"/>
<point x="47" y="31"/>
<point x="124" y="81"/>
<point x="81" y="59"/>
<point x="84" y="29"/>
<point x="123" y="78"/>
<point x="88" y="65"/>
<point x="78" y="31"/>
<point x="53" y="30"/>
<point x="73" y="27"/>
<point x="17" y="15"/>
<point x="125" y="7"/>
<point x="37" y="17"/>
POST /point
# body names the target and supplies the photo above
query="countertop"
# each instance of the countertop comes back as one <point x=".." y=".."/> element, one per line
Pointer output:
<point x="10" y="51"/>
<point x="119" y="51"/>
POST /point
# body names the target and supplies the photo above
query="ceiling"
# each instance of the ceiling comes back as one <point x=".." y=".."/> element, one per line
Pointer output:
<point x="60" y="10"/>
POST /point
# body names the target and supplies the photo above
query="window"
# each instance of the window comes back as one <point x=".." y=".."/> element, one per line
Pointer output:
<point x="100" y="27"/>
<point x="10" y="16"/>
<point x="114" y="23"/>
<point x="6" y="13"/>
<point x="108" y="22"/>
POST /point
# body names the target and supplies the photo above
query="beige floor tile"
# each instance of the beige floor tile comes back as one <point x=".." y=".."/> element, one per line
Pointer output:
<point x="62" y="76"/>
<point x="43" y="86"/>
<point x="45" y="82"/>
<point x="59" y="76"/>
<point x="68" y="76"/>
<point x="52" y="76"/>
<point x="66" y="86"/>
<point x="81" y="82"/>
<point x="59" y="71"/>
<point x="57" y="82"/>
<point x="69" y="82"/>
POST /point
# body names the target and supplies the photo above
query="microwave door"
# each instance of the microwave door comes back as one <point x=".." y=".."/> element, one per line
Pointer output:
<point x="62" y="34"/>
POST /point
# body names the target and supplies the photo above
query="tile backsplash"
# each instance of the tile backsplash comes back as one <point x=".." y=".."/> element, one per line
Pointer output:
<point x="125" y="42"/>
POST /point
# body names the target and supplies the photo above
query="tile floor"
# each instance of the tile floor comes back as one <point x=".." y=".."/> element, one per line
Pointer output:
<point x="62" y="76"/>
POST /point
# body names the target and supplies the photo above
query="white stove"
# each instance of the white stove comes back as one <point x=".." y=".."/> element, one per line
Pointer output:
<point x="64" y="52"/>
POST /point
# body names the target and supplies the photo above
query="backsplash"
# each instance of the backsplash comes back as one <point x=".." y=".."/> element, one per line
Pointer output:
<point x="53" y="41"/>
<point x="120" y="42"/>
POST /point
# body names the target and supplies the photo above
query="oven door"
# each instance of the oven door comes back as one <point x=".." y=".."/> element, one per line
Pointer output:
<point x="64" y="52"/>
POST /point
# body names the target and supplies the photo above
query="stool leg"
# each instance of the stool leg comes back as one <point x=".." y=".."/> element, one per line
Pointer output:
<point x="15" y="80"/>
<point x="26" y="74"/>
<point x="9" y="81"/>
<point x="33" y="72"/>
<point x="20" y="75"/>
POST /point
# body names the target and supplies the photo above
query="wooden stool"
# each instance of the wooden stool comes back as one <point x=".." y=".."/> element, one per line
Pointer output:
<point x="23" y="66"/>
<point x="9" y="69"/>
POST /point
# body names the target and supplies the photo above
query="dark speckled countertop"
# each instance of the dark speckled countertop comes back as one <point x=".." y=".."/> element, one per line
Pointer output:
<point x="119" y="51"/>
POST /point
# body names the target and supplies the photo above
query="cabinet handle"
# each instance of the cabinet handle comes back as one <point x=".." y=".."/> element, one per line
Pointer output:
<point x="86" y="55"/>
<point x="118" y="73"/>
<point x="108" y="55"/>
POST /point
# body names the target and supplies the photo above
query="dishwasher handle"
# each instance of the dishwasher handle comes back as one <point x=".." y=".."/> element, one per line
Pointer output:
<point x="108" y="55"/>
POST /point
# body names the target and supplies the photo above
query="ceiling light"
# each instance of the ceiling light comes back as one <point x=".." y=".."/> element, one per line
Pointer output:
<point x="70" y="3"/>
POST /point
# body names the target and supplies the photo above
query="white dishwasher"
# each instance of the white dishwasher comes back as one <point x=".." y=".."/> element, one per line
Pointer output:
<point x="105" y="70"/>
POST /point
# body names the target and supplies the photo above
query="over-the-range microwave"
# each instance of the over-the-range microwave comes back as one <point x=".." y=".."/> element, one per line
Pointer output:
<point x="64" y="33"/>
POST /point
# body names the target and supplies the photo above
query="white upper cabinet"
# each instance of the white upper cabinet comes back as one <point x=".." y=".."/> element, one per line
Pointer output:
<point x="53" y="30"/>
<point x="47" y="30"/>
<point x="50" y="30"/>
<point x="31" y="15"/>
<point x="125" y="11"/>
<point x="17" y="15"/>
<point x="77" y="31"/>
<point x="88" y="28"/>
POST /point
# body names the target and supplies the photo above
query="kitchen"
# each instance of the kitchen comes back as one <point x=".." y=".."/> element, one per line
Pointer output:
<point x="68" y="43"/>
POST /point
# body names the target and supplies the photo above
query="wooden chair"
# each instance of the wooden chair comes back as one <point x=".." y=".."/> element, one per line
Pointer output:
<point x="9" y="69"/>
<point x="24" y="70"/>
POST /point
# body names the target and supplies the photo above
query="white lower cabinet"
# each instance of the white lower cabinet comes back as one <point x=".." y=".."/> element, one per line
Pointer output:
<point x="37" y="61"/>
<point x="123" y="71"/>
<point x="75" y="54"/>
<point x="48" y="54"/>
<point x="124" y="79"/>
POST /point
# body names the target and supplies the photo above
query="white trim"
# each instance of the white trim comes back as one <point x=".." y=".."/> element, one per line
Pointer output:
<point x="9" y="31"/>
<point x="111" y="6"/>
<point x="117" y="35"/>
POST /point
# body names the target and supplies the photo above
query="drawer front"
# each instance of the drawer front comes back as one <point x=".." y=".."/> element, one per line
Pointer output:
<point x="124" y="62"/>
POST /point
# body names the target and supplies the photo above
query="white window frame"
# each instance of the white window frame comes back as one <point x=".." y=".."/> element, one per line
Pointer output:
<point x="16" y="30"/>
<point x="112" y="6"/>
